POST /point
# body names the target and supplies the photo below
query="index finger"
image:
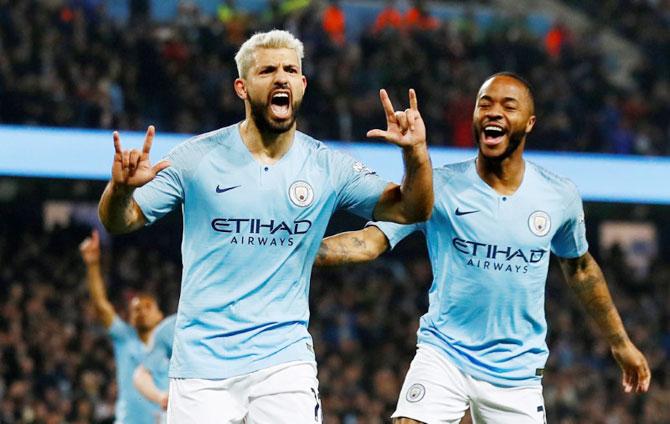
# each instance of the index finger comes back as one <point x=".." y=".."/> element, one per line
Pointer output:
<point x="117" y="142"/>
<point x="413" y="102"/>
<point x="388" y="107"/>
<point x="149" y="139"/>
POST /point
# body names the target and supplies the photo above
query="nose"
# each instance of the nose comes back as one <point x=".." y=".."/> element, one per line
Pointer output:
<point x="494" y="113"/>
<point x="281" y="78"/>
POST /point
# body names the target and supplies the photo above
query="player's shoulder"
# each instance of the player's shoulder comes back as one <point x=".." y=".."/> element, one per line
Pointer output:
<point x="167" y="324"/>
<point x="312" y="146"/>
<point x="168" y="321"/>
<point x="454" y="170"/>
<point x="197" y="146"/>
<point x="308" y="142"/>
<point x="321" y="154"/>
<point x="553" y="181"/>
<point x="120" y="330"/>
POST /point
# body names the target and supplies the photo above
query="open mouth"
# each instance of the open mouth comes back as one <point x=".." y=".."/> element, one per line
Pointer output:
<point x="493" y="135"/>
<point x="280" y="104"/>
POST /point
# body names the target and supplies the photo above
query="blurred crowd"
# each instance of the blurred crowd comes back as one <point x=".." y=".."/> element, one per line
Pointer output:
<point x="67" y="63"/>
<point x="56" y="362"/>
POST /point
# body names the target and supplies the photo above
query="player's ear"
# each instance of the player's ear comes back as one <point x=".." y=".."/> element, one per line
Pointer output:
<point x="530" y="124"/>
<point x="240" y="88"/>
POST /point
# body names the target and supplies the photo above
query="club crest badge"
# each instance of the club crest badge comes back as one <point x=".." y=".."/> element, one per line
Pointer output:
<point x="415" y="393"/>
<point x="539" y="223"/>
<point x="301" y="194"/>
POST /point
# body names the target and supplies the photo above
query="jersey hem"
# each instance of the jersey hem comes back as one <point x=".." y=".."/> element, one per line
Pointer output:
<point x="477" y="374"/>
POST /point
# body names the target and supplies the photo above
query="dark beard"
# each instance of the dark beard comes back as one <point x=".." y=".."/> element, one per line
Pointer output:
<point x="264" y="124"/>
<point x="515" y="140"/>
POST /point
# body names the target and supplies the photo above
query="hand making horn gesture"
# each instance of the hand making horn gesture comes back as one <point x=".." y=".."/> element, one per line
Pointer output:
<point x="132" y="167"/>
<point x="404" y="129"/>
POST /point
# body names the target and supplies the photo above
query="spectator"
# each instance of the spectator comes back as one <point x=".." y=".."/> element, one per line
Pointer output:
<point x="388" y="19"/>
<point x="418" y="18"/>
<point x="558" y="36"/>
<point x="333" y="22"/>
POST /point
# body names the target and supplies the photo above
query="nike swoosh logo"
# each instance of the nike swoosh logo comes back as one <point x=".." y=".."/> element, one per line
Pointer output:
<point x="461" y="213"/>
<point x="223" y="190"/>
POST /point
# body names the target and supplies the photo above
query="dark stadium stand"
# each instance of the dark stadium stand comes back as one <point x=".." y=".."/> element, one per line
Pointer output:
<point x="67" y="63"/>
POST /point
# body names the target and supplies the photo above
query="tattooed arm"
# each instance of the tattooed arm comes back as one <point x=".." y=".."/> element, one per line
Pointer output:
<point x="588" y="282"/>
<point x="352" y="247"/>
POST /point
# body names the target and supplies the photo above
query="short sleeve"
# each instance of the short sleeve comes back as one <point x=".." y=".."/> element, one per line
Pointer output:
<point x="359" y="188"/>
<point x="570" y="238"/>
<point x="396" y="232"/>
<point x="162" y="194"/>
<point x="120" y="330"/>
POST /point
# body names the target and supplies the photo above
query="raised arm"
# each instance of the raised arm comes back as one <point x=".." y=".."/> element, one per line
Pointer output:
<point x="588" y="282"/>
<point x="144" y="383"/>
<point x="90" y="253"/>
<point x="352" y="247"/>
<point x="131" y="169"/>
<point x="412" y="201"/>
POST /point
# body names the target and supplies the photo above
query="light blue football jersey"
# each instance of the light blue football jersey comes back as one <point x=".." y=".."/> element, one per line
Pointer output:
<point x="251" y="234"/>
<point x="490" y="257"/>
<point x="157" y="361"/>
<point x="129" y="351"/>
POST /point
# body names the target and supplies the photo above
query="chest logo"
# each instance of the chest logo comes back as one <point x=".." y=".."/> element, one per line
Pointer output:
<point x="539" y="223"/>
<point x="461" y="213"/>
<point x="224" y="189"/>
<point x="301" y="194"/>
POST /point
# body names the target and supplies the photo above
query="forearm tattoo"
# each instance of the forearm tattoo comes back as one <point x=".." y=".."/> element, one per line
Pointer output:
<point x="588" y="283"/>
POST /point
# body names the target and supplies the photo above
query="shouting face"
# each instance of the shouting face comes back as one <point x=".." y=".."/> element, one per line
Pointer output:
<point x="273" y="87"/>
<point x="503" y="116"/>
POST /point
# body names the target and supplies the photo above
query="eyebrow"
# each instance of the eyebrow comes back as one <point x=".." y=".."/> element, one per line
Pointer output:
<point x="488" y="98"/>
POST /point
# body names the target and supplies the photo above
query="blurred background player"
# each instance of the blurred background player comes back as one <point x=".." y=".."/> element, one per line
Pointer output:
<point x="257" y="197"/>
<point x="151" y="376"/>
<point x="128" y="339"/>
<point x="496" y="218"/>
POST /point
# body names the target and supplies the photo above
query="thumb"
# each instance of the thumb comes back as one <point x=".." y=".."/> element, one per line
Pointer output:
<point x="385" y="135"/>
<point x="160" y="166"/>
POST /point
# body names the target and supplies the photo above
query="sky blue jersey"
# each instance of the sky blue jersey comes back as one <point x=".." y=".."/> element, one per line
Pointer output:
<point x="157" y="361"/>
<point x="251" y="233"/>
<point x="490" y="256"/>
<point x="129" y="351"/>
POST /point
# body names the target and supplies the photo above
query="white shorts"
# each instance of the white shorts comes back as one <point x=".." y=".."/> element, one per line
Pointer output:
<point x="435" y="391"/>
<point x="286" y="393"/>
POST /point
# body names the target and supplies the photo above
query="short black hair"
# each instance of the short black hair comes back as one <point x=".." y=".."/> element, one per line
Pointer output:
<point x="522" y="80"/>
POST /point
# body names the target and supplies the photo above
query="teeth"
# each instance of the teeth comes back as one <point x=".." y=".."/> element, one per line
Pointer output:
<point x="492" y="128"/>
<point x="276" y="95"/>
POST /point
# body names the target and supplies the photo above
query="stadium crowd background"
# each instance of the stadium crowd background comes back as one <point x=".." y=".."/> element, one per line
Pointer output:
<point x="67" y="63"/>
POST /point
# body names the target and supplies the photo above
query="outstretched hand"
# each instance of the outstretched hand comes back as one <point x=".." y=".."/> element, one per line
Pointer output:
<point x="90" y="249"/>
<point x="404" y="129"/>
<point x="636" y="374"/>
<point x="132" y="168"/>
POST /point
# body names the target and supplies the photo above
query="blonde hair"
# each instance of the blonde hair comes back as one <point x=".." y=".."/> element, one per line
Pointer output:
<point x="275" y="39"/>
